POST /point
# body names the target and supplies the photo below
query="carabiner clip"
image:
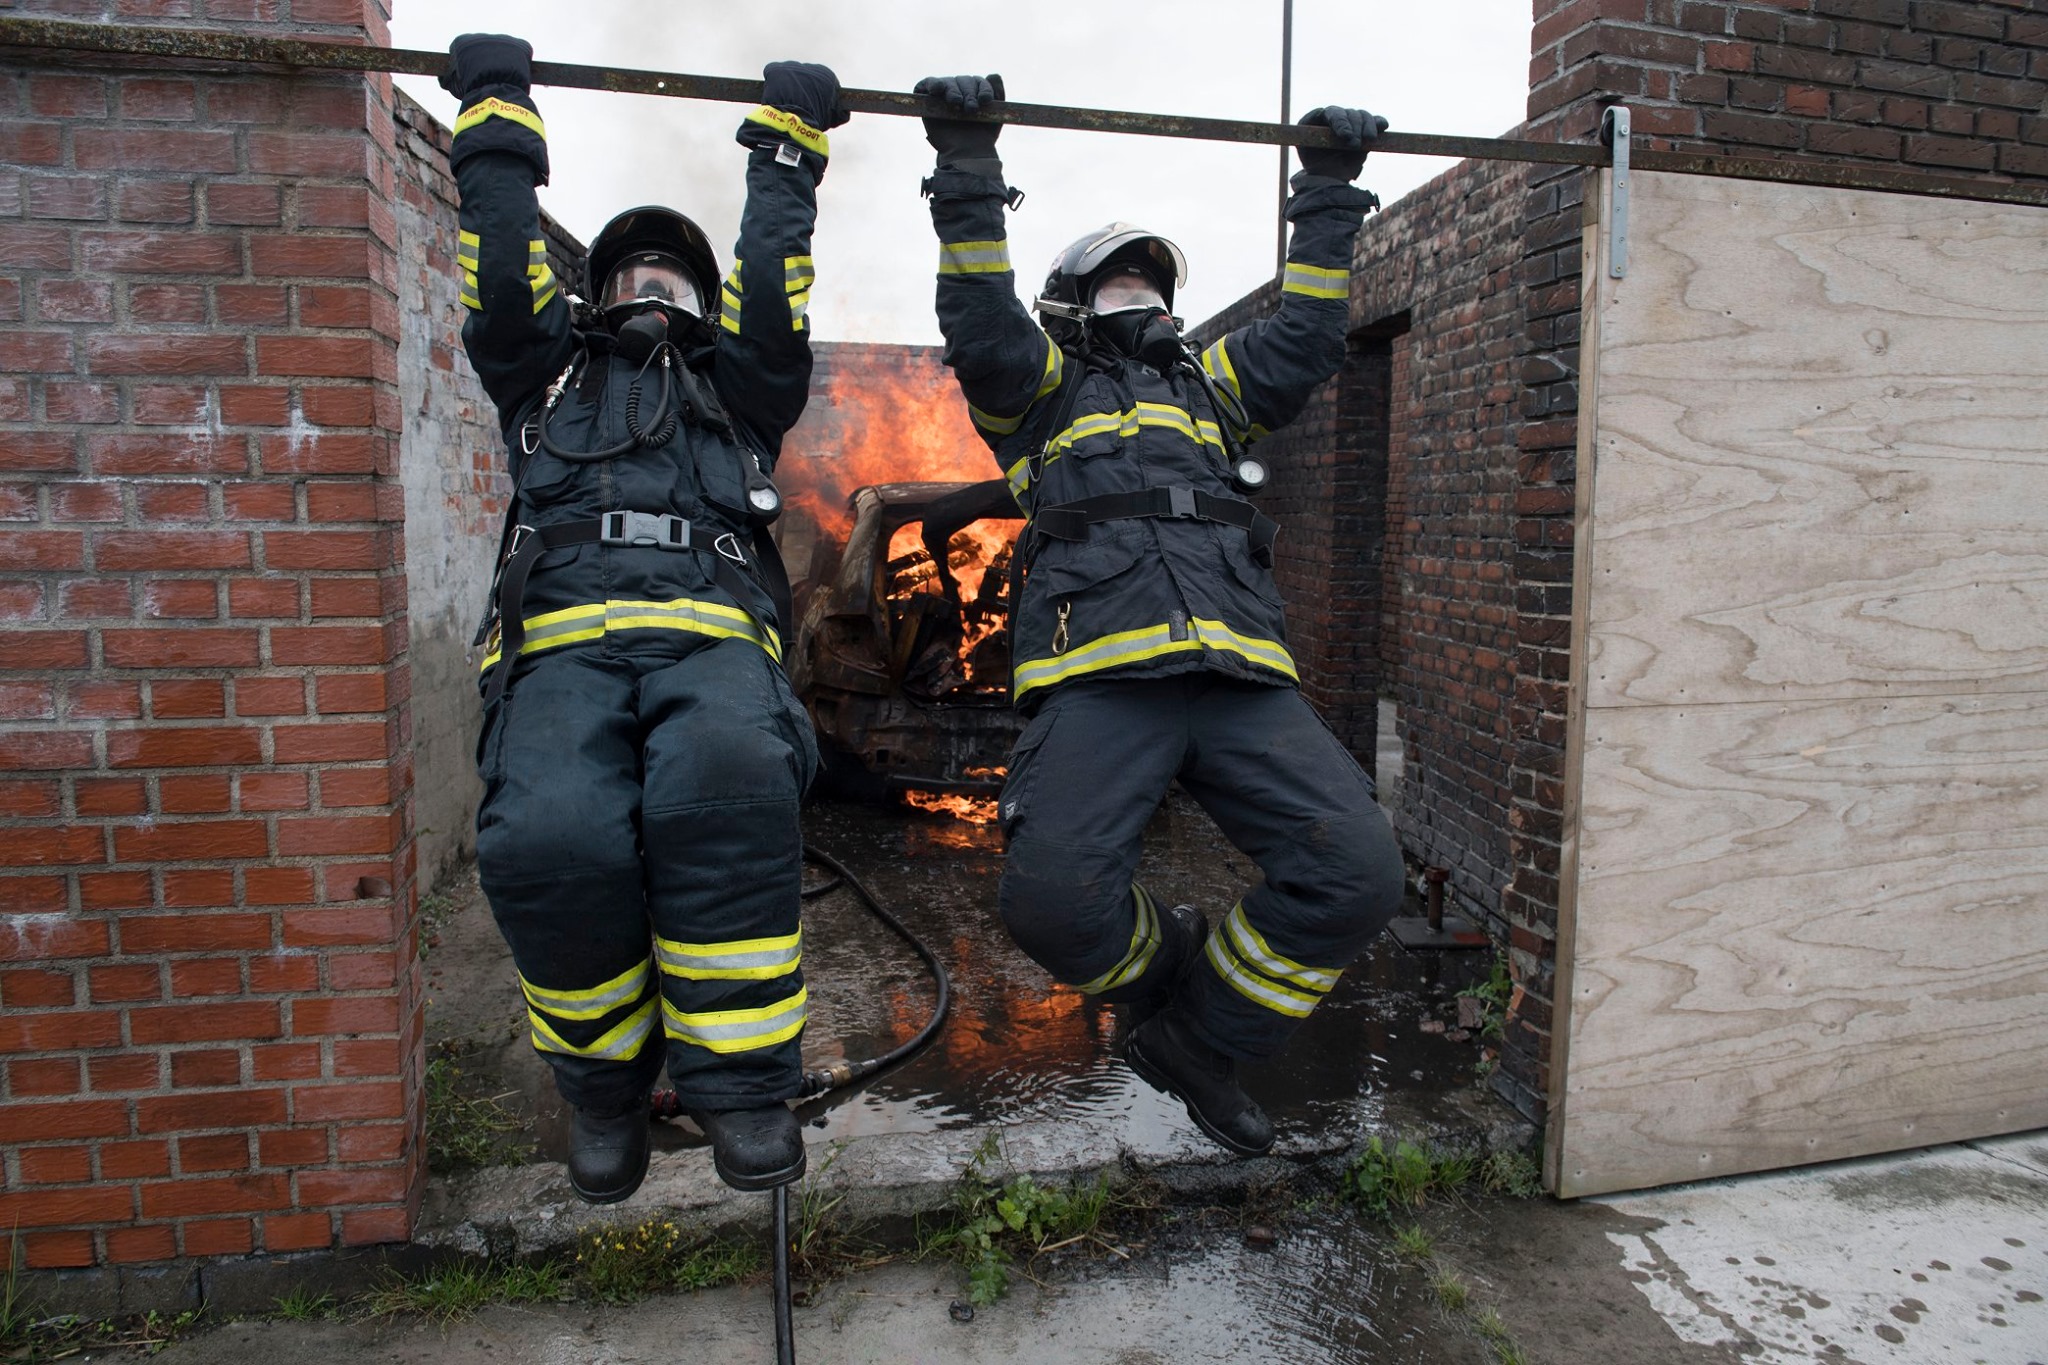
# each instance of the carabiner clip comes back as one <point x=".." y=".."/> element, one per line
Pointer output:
<point x="1059" y="633"/>
<point x="728" y="547"/>
<point x="529" y="436"/>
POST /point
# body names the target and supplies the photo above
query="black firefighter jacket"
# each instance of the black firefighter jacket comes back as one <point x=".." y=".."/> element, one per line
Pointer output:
<point x="521" y="341"/>
<point x="1138" y="597"/>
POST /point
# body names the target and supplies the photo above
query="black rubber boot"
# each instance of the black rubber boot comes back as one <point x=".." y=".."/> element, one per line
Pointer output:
<point x="608" y="1153"/>
<point x="1185" y="931"/>
<point x="1168" y="1056"/>
<point x="753" y="1149"/>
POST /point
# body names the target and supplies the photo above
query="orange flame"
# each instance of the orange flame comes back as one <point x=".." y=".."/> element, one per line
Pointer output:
<point x="973" y="810"/>
<point x="880" y="414"/>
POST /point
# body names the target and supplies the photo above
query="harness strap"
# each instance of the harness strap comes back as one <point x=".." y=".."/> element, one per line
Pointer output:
<point x="628" y="530"/>
<point x="1071" y="520"/>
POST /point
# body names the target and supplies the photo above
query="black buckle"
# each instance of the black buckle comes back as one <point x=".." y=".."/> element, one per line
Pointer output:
<point x="659" y="530"/>
<point x="1180" y="503"/>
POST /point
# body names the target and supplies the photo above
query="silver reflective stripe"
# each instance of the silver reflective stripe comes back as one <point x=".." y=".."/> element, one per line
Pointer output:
<point x="1317" y="282"/>
<point x="738" y="1030"/>
<point x="588" y="1004"/>
<point x="973" y="258"/>
<point x="744" y="959"/>
<point x="618" y="1044"/>
<point x="1247" y="943"/>
<point x="1144" y="943"/>
<point x="1254" y="987"/>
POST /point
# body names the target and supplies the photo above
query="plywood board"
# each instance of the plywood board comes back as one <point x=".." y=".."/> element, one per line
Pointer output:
<point x="1804" y="900"/>
<point x="1822" y="420"/>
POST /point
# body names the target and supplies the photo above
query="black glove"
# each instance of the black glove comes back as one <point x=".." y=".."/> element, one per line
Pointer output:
<point x="958" y="141"/>
<point x="1355" y="130"/>
<point x="479" y="59"/>
<point x="806" y="89"/>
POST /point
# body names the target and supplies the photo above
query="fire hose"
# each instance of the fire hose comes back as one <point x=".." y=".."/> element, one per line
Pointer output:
<point x="248" y="49"/>
<point x="667" y="1105"/>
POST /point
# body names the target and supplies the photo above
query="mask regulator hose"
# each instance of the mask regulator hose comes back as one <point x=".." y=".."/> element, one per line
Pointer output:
<point x="667" y="1105"/>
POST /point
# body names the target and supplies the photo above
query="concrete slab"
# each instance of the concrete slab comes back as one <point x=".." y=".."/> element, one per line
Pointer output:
<point x="1920" y="1258"/>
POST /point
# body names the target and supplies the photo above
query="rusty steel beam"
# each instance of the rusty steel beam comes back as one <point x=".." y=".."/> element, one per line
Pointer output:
<point x="61" y="36"/>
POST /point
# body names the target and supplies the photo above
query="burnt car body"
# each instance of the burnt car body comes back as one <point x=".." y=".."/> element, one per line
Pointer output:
<point x="902" y="649"/>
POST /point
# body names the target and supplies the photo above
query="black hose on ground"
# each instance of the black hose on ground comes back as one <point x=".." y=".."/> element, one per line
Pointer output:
<point x="666" y="1104"/>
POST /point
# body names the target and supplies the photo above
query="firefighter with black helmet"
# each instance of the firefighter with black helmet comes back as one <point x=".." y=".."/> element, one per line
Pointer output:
<point x="1149" y="641"/>
<point x="642" y="754"/>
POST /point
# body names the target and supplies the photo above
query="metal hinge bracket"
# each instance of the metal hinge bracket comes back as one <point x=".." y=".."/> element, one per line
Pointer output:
<point x="1614" y="131"/>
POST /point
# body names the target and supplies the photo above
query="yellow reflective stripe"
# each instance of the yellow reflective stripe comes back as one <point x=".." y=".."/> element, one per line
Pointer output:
<point x="798" y="272"/>
<point x="587" y="1004"/>
<point x="1145" y="938"/>
<point x="752" y="959"/>
<point x="793" y="128"/>
<point x="1136" y="646"/>
<point x="1316" y="282"/>
<point x="738" y="1030"/>
<point x="617" y="1044"/>
<point x="497" y="108"/>
<point x="467" y="293"/>
<point x="1250" y="945"/>
<point x="572" y="625"/>
<point x="729" y="300"/>
<point x="467" y="247"/>
<point x="1254" y="987"/>
<point x="974" y="258"/>
<point x="1019" y="475"/>
<point x="1049" y="379"/>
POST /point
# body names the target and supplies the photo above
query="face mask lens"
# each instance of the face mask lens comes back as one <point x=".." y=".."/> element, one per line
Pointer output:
<point x="659" y="278"/>
<point x="1126" y="289"/>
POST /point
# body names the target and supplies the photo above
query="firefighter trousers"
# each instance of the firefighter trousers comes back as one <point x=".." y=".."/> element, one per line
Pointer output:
<point x="1087" y="774"/>
<point x="638" y="844"/>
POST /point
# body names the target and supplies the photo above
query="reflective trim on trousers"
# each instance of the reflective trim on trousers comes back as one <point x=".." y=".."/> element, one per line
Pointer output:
<point x="618" y="1044"/>
<point x="751" y="959"/>
<point x="1145" y="939"/>
<point x="588" y="1004"/>
<point x="738" y="1030"/>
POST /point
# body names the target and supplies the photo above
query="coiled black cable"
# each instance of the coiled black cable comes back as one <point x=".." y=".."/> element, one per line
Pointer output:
<point x="666" y="413"/>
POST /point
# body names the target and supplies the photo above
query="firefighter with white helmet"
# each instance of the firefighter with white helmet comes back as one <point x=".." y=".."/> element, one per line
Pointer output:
<point x="1149" y="638"/>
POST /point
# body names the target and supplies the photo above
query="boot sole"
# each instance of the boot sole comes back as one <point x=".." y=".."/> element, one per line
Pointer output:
<point x="793" y="1171"/>
<point x="1154" y="1077"/>
<point x="614" y="1196"/>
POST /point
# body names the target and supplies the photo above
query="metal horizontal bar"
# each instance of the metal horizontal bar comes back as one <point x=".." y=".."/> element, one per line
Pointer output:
<point x="240" y="48"/>
<point x="50" y="35"/>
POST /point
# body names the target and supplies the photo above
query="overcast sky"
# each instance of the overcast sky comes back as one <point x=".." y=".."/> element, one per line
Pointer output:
<point x="1449" y="66"/>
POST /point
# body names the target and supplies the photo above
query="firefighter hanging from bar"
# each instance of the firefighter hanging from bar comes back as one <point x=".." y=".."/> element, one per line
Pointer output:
<point x="642" y="754"/>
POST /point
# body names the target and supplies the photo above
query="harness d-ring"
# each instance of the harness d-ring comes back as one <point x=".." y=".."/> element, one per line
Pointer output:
<point x="728" y="547"/>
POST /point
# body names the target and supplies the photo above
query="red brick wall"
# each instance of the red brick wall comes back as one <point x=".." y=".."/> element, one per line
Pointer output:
<point x="209" y="1002"/>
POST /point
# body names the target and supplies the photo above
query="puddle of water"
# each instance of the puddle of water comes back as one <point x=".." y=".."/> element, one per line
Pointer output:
<point x="1018" y="1046"/>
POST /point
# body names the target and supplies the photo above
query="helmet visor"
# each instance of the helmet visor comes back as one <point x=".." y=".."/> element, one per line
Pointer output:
<point x="656" y="276"/>
<point x="1125" y="288"/>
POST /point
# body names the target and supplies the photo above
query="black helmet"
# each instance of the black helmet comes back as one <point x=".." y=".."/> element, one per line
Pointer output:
<point x="654" y="230"/>
<point x="1073" y="272"/>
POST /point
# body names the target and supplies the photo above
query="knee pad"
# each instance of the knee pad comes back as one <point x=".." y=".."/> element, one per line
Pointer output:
<point x="1353" y="874"/>
<point x="1060" y="902"/>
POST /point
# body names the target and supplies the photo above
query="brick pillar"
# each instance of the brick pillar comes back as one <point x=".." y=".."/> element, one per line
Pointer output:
<point x="210" y="1008"/>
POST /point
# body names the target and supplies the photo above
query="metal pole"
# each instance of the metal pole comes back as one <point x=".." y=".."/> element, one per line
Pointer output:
<point x="48" y="35"/>
<point x="1286" y="116"/>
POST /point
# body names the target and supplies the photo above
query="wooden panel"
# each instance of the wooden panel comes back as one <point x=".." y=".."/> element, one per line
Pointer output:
<point x="1804" y="886"/>
<point x="1820" y="439"/>
<point x="1806" y="931"/>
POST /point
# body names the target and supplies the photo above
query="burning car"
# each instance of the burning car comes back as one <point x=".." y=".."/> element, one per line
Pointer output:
<point x="902" y="649"/>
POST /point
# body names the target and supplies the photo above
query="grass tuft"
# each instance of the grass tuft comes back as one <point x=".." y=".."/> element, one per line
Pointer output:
<point x="466" y="1128"/>
<point x="992" y="1226"/>
<point x="621" y="1264"/>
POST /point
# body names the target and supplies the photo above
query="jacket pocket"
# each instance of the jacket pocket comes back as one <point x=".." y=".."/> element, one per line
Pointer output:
<point x="1066" y="567"/>
<point x="1246" y="570"/>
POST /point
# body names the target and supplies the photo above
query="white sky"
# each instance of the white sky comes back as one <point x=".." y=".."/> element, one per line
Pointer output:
<point x="1434" y="66"/>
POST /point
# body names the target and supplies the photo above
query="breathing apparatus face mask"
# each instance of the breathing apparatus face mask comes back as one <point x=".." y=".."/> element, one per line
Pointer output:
<point x="1132" y="320"/>
<point x="650" y="298"/>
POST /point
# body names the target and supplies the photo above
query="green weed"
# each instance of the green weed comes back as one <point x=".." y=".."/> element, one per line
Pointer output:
<point x="991" y="1226"/>
<point x="1514" y="1174"/>
<point x="1493" y="995"/>
<point x="1495" y="1333"/>
<point x="619" y="1264"/>
<point x="1449" y="1287"/>
<point x="1385" y="1183"/>
<point x="466" y="1128"/>
<point x="304" y="1305"/>
<point x="456" y="1291"/>
<point x="1414" y="1244"/>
